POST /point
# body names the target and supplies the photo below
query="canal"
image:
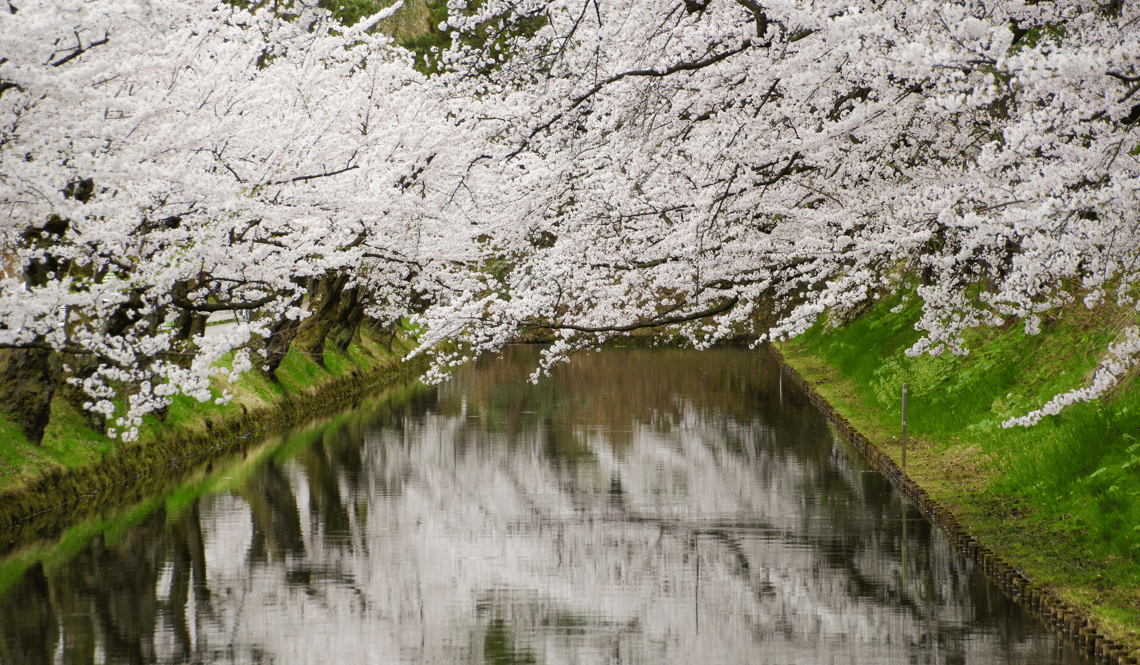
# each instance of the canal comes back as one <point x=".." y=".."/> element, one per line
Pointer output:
<point x="636" y="506"/>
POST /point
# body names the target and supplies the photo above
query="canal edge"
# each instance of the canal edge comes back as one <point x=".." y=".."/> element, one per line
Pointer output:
<point x="29" y="512"/>
<point x="1061" y="618"/>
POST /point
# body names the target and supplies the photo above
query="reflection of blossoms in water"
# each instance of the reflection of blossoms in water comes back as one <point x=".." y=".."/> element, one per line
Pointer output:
<point x="537" y="522"/>
<point x="504" y="522"/>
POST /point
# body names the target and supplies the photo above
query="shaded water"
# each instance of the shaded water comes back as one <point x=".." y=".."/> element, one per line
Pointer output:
<point x="639" y="506"/>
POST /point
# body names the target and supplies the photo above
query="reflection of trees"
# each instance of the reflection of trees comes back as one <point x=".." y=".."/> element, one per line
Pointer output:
<point x="110" y="595"/>
<point x="188" y="576"/>
<point x="273" y="509"/>
<point x="629" y="385"/>
<point x="106" y="600"/>
<point x="694" y="530"/>
<point x="324" y="466"/>
<point x="30" y="628"/>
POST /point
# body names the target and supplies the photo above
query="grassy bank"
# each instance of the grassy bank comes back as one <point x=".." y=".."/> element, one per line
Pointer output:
<point x="75" y="460"/>
<point x="1059" y="500"/>
<point x="166" y="499"/>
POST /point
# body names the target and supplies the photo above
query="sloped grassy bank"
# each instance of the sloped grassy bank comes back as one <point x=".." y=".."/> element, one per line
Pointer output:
<point x="79" y="469"/>
<point x="1053" y="510"/>
<point x="165" y="496"/>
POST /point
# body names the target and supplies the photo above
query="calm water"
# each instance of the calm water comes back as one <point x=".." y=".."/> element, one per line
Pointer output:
<point x="636" y="507"/>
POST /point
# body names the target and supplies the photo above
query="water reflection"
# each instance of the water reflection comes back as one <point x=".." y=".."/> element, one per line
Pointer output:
<point x="636" y="507"/>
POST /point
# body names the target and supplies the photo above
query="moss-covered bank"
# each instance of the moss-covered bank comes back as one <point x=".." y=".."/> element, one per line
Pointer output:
<point x="79" y="469"/>
<point x="1052" y="511"/>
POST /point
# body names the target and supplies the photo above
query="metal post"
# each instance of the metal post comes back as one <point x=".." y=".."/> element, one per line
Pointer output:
<point x="904" y="429"/>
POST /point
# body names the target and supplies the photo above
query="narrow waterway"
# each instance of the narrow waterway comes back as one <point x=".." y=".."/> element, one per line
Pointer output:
<point x="637" y="506"/>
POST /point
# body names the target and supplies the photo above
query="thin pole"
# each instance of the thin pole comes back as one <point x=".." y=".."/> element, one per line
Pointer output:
<point x="904" y="429"/>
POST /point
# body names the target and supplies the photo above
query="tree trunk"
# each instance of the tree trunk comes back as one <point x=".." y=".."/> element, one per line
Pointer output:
<point x="29" y="377"/>
<point x="349" y="321"/>
<point x="326" y="307"/>
<point x="277" y="346"/>
<point x="188" y="324"/>
<point x="28" y="380"/>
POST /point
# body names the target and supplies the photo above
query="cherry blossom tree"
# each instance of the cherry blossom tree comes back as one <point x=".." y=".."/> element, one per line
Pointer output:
<point x="697" y="165"/>
<point x="585" y="167"/>
<point x="162" y="161"/>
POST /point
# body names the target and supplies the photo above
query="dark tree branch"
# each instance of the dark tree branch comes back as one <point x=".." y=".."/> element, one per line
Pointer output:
<point x="79" y="50"/>
<point x="673" y="69"/>
<point x="1121" y="77"/>
<point x="759" y="14"/>
<point x="8" y="85"/>
<point x="687" y="66"/>
<point x="574" y="28"/>
<point x="187" y="304"/>
<point x="664" y="321"/>
<point x="47" y="347"/>
<point x="327" y="174"/>
<point x="218" y="156"/>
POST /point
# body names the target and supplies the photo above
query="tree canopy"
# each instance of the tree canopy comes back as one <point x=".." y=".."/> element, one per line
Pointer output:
<point x="585" y="167"/>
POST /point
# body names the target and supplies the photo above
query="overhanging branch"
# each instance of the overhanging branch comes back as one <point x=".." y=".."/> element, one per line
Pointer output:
<point x="79" y="50"/>
<point x="187" y="304"/>
<point x="653" y="323"/>
<point x="327" y="174"/>
<point x="686" y="66"/>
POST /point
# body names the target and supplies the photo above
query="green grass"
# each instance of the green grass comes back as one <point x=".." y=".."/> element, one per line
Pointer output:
<point x="1082" y="462"/>
<point x="71" y="442"/>
<point x="1060" y="499"/>
<point x="13" y="457"/>
<point x="68" y="443"/>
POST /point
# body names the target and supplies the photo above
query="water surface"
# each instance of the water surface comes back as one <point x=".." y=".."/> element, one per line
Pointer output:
<point x="638" y="506"/>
